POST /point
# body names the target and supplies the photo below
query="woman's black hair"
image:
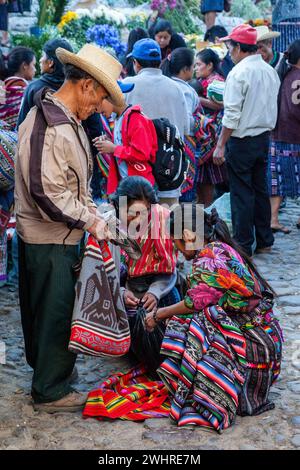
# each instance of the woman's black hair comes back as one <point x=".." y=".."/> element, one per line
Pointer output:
<point x="154" y="64"/>
<point x="251" y="48"/>
<point x="215" y="229"/>
<point x="179" y="59"/>
<point x="135" y="188"/>
<point x="162" y="25"/>
<point x="134" y="36"/>
<point x="208" y="56"/>
<point x="215" y="32"/>
<point x="17" y="57"/>
<point x="292" y="55"/>
<point x="196" y="84"/>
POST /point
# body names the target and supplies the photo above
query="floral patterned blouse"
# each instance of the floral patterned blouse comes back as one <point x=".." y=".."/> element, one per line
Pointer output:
<point x="221" y="277"/>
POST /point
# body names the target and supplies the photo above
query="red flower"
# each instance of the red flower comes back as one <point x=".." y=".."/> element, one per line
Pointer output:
<point x="203" y="295"/>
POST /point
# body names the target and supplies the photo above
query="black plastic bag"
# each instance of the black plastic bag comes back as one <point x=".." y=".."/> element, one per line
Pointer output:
<point x="146" y="346"/>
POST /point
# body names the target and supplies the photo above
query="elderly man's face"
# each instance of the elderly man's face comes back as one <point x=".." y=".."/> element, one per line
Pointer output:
<point x="90" y="97"/>
<point x="265" y="50"/>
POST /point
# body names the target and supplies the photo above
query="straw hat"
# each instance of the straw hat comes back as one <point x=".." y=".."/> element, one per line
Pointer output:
<point x="104" y="68"/>
<point x="264" y="33"/>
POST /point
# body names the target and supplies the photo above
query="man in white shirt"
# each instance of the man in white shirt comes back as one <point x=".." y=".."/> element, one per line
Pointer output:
<point x="158" y="95"/>
<point x="250" y="113"/>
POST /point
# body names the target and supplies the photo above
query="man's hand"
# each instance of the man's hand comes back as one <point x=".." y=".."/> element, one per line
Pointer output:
<point x="130" y="299"/>
<point x="104" y="146"/>
<point x="100" y="230"/>
<point x="219" y="155"/>
<point x="150" y="302"/>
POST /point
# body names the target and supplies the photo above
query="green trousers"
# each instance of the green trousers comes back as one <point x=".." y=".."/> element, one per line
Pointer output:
<point x="47" y="294"/>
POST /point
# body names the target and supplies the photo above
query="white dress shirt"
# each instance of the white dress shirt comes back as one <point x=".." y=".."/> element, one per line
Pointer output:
<point x="159" y="97"/>
<point x="250" y="98"/>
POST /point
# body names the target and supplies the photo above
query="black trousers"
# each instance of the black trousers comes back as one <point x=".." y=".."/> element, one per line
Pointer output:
<point x="47" y="294"/>
<point x="247" y="162"/>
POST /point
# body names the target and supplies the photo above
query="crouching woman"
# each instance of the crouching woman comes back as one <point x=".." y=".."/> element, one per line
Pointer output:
<point x="222" y="345"/>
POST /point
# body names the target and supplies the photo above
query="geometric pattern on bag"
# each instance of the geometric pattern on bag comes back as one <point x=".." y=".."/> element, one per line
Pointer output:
<point x="8" y="148"/>
<point x="99" y="324"/>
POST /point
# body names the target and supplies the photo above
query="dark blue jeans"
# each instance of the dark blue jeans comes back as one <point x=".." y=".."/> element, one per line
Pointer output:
<point x="247" y="165"/>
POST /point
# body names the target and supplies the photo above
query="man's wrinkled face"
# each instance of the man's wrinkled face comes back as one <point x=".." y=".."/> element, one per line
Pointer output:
<point x="265" y="50"/>
<point x="90" y="97"/>
<point x="234" y="51"/>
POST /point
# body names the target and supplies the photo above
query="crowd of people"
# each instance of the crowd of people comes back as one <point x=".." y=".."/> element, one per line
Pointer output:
<point x="88" y="133"/>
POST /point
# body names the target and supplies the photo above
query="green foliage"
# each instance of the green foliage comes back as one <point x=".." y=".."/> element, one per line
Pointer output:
<point x="59" y="10"/>
<point x="183" y="17"/>
<point x="247" y="10"/>
<point x="45" y="13"/>
<point x="136" y="3"/>
<point x="76" y="30"/>
<point x="136" y="21"/>
<point x="50" y="11"/>
<point x="35" y="43"/>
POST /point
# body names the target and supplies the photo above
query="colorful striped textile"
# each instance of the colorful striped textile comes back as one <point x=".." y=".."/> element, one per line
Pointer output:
<point x="103" y="159"/>
<point x="204" y="368"/>
<point x="222" y="359"/>
<point x="8" y="148"/>
<point x="198" y="149"/>
<point x="14" y="88"/>
<point x="3" y="257"/>
<point x="284" y="170"/>
<point x="215" y="91"/>
<point x="158" y="250"/>
<point x="132" y="396"/>
<point x="190" y="154"/>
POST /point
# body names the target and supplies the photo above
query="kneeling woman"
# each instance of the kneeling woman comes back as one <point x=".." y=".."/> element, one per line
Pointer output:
<point x="151" y="279"/>
<point x="222" y="343"/>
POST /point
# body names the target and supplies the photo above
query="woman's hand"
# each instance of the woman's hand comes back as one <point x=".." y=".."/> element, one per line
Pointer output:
<point x="150" y="322"/>
<point x="149" y="302"/>
<point x="104" y="146"/>
<point x="130" y="299"/>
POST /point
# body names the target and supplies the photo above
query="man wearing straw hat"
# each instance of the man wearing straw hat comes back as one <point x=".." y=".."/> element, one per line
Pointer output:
<point x="264" y="43"/>
<point x="54" y="209"/>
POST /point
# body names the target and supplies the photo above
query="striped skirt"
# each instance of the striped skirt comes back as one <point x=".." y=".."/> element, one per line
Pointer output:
<point x="215" y="368"/>
<point x="284" y="170"/>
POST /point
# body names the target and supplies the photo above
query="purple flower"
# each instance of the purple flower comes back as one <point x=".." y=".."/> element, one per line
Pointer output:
<point x="212" y="259"/>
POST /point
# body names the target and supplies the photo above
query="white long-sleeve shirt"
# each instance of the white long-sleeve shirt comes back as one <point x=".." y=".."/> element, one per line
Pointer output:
<point x="250" y="98"/>
<point x="191" y="98"/>
<point x="159" y="97"/>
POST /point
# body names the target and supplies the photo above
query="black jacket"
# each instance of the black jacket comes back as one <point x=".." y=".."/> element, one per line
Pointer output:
<point x="47" y="80"/>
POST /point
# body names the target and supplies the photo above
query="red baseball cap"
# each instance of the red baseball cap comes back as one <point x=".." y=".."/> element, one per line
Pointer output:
<point x="244" y="33"/>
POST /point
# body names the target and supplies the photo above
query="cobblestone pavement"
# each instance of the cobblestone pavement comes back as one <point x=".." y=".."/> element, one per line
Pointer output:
<point x="23" y="428"/>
